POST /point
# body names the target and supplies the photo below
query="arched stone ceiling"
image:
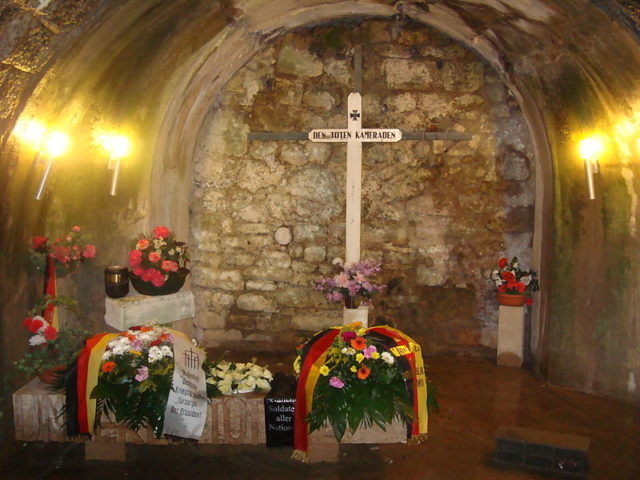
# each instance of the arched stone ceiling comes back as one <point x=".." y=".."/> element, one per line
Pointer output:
<point x="156" y="66"/>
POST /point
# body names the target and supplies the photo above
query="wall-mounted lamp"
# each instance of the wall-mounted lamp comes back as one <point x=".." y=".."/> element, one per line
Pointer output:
<point x="590" y="149"/>
<point x="56" y="144"/>
<point x="117" y="146"/>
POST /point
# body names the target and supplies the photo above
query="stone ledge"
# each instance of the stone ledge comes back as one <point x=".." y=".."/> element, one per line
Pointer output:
<point x="235" y="419"/>
<point x="122" y="313"/>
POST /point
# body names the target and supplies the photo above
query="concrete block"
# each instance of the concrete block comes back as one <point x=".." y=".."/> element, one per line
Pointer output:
<point x="510" y="336"/>
<point x="122" y="313"/>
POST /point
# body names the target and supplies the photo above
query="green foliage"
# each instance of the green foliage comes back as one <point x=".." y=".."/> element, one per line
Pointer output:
<point x="358" y="386"/>
<point x="135" y="378"/>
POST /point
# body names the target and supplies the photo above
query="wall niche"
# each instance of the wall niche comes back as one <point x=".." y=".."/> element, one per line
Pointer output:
<point x="438" y="213"/>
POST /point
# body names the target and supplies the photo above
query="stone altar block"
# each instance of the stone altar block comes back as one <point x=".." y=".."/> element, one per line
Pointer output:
<point x="235" y="419"/>
<point x="122" y="313"/>
<point x="510" y="336"/>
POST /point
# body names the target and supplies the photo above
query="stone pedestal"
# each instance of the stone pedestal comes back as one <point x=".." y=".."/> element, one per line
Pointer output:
<point x="176" y="309"/>
<point x="360" y="314"/>
<point x="235" y="419"/>
<point x="323" y="446"/>
<point x="510" y="336"/>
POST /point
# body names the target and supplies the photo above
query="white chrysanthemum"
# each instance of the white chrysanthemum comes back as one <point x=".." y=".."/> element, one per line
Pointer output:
<point x="166" y="351"/>
<point x="267" y="374"/>
<point x="223" y="366"/>
<point x="263" y="384"/>
<point x="526" y="280"/>
<point x="107" y="355"/>
<point x="237" y="376"/>
<point x="247" y="385"/>
<point x="212" y="380"/>
<point x="225" y="387"/>
<point x="241" y="367"/>
<point x="155" y="354"/>
<point x="120" y="345"/>
<point x="146" y="337"/>
<point x="256" y="370"/>
<point x="387" y="358"/>
<point x="348" y="351"/>
<point x="37" y="340"/>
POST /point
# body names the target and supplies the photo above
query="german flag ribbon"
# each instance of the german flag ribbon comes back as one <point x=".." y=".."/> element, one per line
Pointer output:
<point x="314" y="356"/>
<point x="410" y="350"/>
<point x="50" y="313"/>
<point x="88" y="370"/>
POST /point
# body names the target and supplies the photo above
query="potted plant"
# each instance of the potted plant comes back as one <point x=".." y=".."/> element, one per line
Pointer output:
<point x="135" y="377"/>
<point x="514" y="285"/>
<point x="353" y="285"/>
<point x="359" y="384"/>
<point x="66" y="252"/>
<point x="52" y="350"/>
<point x="158" y="263"/>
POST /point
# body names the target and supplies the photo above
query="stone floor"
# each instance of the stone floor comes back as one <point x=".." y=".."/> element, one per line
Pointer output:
<point x="475" y="396"/>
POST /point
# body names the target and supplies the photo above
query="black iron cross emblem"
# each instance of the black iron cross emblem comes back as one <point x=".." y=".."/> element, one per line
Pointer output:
<point x="355" y="114"/>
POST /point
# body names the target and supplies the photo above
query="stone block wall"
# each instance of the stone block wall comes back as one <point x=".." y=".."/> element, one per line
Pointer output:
<point x="438" y="213"/>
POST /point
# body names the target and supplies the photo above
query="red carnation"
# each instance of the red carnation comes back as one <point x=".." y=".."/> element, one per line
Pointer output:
<point x="39" y="242"/>
<point x="503" y="262"/>
<point x="155" y="343"/>
<point x="169" y="266"/>
<point x="135" y="258"/>
<point x="161" y="231"/>
<point x="27" y="322"/>
<point x="35" y="325"/>
<point x="89" y="251"/>
<point x="50" y="333"/>
<point x="508" y="276"/>
<point x="154" y="257"/>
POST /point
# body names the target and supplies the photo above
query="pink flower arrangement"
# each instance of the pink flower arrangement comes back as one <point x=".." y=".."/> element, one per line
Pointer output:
<point x="154" y="258"/>
<point x="352" y="281"/>
<point x="66" y="251"/>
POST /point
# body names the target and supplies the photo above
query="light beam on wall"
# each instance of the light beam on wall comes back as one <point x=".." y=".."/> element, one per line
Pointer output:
<point x="117" y="146"/>
<point x="56" y="144"/>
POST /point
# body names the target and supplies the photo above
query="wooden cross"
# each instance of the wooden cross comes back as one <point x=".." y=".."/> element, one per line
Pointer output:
<point x="354" y="135"/>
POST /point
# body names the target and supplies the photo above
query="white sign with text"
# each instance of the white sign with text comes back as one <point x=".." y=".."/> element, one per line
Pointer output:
<point x="186" y="410"/>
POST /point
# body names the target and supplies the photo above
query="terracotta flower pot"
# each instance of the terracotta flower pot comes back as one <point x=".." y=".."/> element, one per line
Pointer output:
<point x="510" y="300"/>
<point x="173" y="284"/>
<point x="49" y="376"/>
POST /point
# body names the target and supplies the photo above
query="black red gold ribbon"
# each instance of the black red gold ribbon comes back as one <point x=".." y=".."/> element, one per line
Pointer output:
<point x="313" y="357"/>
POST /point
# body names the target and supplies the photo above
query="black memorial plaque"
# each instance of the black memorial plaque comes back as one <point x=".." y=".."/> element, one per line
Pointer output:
<point x="279" y="405"/>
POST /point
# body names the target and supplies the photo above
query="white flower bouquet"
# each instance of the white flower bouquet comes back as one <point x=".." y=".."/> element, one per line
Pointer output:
<point x="227" y="378"/>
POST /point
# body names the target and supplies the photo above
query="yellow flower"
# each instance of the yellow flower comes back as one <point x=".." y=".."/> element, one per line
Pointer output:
<point x="324" y="370"/>
<point x="361" y="331"/>
<point x="135" y="352"/>
<point x="296" y="364"/>
<point x="353" y="368"/>
<point x="375" y="355"/>
<point x="359" y="357"/>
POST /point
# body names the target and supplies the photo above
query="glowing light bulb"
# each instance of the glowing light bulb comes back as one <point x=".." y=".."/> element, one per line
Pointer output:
<point x="117" y="146"/>
<point x="30" y="132"/>
<point x="57" y="143"/>
<point x="591" y="148"/>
